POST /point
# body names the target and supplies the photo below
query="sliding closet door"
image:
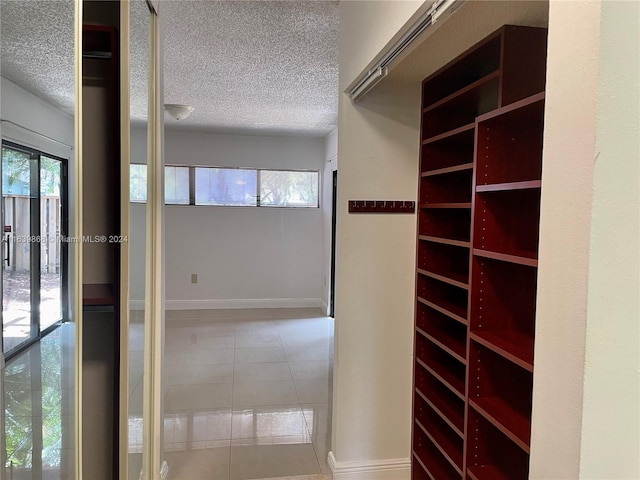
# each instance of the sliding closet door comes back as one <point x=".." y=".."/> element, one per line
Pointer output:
<point x="141" y="260"/>
<point x="136" y="18"/>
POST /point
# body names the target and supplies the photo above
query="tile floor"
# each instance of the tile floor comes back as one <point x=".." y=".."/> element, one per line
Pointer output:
<point x="37" y="422"/>
<point x="247" y="396"/>
<point x="247" y="393"/>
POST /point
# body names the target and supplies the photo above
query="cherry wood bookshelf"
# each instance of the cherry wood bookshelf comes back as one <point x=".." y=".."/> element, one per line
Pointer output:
<point x="476" y="259"/>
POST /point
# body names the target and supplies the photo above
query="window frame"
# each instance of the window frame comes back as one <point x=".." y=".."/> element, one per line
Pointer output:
<point x="258" y="170"/>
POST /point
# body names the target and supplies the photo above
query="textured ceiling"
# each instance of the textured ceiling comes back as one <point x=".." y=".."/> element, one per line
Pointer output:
<point x="256" y="66"/>
<point x="246" y="66"/>
<point x="36" y="48"/>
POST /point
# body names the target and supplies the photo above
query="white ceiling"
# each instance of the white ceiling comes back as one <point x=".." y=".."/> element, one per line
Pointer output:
<point x="253" y="66"/>
<point x="262" y="67"/>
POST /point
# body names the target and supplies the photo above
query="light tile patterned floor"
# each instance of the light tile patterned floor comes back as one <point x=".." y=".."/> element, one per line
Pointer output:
<point x="247" y="393"/>
<point x="247" y="396"/>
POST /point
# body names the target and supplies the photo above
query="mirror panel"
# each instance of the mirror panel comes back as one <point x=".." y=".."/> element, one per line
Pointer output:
<point x="37" y="105"/>
<point x="140" y="18"/>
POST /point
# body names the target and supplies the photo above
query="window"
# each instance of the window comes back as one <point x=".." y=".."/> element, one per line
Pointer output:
<point x="176" y="185"/>
<point x="285" y="188"/>
<point x="138" y="183"/>
<point x="238" y="187"/>
<point x="226" y="186"/>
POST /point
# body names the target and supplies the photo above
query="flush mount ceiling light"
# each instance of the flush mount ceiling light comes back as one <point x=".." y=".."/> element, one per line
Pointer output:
<point x="178" y="112"/>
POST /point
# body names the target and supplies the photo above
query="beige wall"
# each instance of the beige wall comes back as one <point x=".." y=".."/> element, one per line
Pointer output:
<point x="569" y="149"/>
<point x="585" y="415"/>
<point x="378" y="152"/>
<point x="611" y="407"/>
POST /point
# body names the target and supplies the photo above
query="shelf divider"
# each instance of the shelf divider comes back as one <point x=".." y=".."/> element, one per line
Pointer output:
<point x="443" y="171"/>
<point x="514" y="429"/>
<point x="445" y="241"/>
<point x="443" y="311"/>
<point x="442" y="278"/>
<point x="510" y="186"/>
<point x="529" y="262"/>
<point x="450" y="133"/>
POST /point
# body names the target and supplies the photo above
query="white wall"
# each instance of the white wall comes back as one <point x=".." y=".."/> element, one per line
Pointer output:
<point x="378" y="153"/>
<point x="34" y="118"/>
<point x="611" y="407"/>
<point x="244" y="257"/>
<point x="25" y="109"/>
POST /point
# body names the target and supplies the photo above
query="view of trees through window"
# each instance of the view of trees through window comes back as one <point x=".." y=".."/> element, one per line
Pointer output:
<point x="246" y="187"/>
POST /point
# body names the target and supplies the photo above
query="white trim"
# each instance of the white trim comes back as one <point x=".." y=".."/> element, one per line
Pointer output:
<point x="136" y="304"/>
<point x="324" y="305"/>
<point x="390" y="469"/>
<point x="215" y="304"/>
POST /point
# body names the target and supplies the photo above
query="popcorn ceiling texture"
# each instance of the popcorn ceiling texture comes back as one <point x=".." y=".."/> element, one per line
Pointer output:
<point x="36" y="48"/>
<point x="253" y="66"/>
<point x="246" y="66"/>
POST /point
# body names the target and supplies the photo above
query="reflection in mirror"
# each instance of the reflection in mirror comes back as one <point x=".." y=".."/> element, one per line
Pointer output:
<point x="37" y="105"/>
<point x="140" y="32"/>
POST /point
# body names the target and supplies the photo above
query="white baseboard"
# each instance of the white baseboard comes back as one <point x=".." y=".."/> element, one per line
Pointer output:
<point x="136" y="304"/>
<point x="324" y="306"/>
<point x="390" y="469"/>
<point x="215" y="304"/>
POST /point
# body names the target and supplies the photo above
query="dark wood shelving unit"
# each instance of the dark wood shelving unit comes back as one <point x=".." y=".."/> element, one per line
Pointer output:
<point x="477" y="249"/>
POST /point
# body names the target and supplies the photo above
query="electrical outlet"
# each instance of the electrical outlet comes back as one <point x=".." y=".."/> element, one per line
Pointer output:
<point x="194" y="278"/>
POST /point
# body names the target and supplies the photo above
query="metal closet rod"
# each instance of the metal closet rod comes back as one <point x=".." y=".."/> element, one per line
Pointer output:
<point x="36" y="133"/>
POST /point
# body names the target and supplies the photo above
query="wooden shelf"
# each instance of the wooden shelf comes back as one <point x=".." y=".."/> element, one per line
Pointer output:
<point x="513" y="107"/>
<point x="431" y="457"/>
<point x="444" y="342"/>
<point x="507" y="222"/>
<point x="511" y="350"/>
<point x="486" y="472"/>
<point x="451" y="133"/>
<point x="444" y="376"/>
<point x="452" y="223"/>
<point x="510" y="422"/>
<point x="444" y="311"/>
<point x="423" y="473"/>
<point x="439" y="328"/>
<point x="503" y="305"/>
<point x="444" y="171"/>
<point x="447" y="297"/>
<point x="445" y="241"/>
<point x="447" y="449"/>
<point x="447" y="261"/>
<point x="503" y="257"/>
<point x="446" y="415"/>
<point x="98" y="294"/>
<point x="510" y="186"/>
<point x="492" y="455"/>
<point x="473" y="91"/>
<point x="446" y="205"/>
<point x="501" y="393"/>
<point x="509" y="147"/>
<point x="442" y="278"/>
<point x="440" y="397"/>
<point x="482" y="59"/>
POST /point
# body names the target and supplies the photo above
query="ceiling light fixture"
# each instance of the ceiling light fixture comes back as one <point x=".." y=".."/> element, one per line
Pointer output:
<point x="178" y="112"/>
<point x="365" y="82"/>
